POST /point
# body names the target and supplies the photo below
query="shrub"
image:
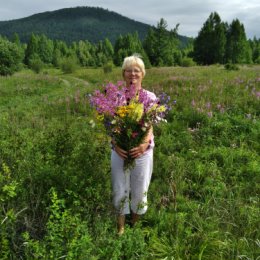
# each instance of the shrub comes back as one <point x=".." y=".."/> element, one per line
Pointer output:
<point x="36" y="64"/>
<point x="231" y="66"/>
<point x="108" y="67"/>
<point x="187" y="62"/>
<point x="68" y="64"/>
<point x="10" y="57"/>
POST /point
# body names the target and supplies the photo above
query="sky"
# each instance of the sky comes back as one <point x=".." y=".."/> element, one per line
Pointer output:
<point x="189" y="14"/>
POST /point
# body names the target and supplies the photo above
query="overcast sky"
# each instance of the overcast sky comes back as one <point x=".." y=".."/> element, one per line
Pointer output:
<point x="190" y="14"/>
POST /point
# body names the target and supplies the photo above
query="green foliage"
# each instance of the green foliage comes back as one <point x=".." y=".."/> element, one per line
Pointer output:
<point x="66" y="235"/>
<point x="161" y="45"/>
<point x="231" y="66"/>
<point x="187" y="62"/>
<point x="209" y="45"/>
<point x="237" y="45"/>
<point x="68" y="64"/>
<point x="128" y="45"/>
<point x="108" y="67"/>
<point x="35" y="63"/>
<point x="10" y="57"/>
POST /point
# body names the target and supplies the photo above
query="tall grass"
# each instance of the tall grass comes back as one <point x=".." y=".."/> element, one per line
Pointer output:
<point x="55" y="189"/>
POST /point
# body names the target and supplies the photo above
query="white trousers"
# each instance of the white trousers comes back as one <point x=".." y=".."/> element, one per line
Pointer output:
<point x="130" y="187"/>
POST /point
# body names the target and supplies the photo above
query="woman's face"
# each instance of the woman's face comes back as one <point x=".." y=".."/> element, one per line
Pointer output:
<point x="133" y="75"/>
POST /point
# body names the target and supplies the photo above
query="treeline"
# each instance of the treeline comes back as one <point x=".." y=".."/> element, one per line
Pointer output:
<point x="217" y="42"/>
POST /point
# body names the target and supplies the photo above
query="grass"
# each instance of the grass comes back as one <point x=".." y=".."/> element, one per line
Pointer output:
<point x="55" y="186"/>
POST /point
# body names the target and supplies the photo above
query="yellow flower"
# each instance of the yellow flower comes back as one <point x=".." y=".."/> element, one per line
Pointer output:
<point x="135" y="111"/>
<point x="122" y="111"/>
<point x="100" y="117"/>
<point x="153" y="108"/>
<point x="161" y="108"/>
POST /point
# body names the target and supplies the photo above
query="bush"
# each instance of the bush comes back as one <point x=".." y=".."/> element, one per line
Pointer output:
<point x="10" y="57"/>
<point x="36" y="64"/>
<point x="108" y="67"/>
<point x="68" y="64"/>
<point x="187" y="62"/>
<point x="231" y="66"/>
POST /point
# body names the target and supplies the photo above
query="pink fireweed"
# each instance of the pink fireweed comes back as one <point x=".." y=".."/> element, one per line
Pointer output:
<point x="128" y="115"/>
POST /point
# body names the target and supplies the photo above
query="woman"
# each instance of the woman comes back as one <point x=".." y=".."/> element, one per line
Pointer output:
<point x="133" y="182"/>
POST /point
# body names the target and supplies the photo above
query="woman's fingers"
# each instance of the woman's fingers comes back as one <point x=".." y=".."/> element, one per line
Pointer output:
<point x="122" y="153"/>
<point x="137" y="151"/>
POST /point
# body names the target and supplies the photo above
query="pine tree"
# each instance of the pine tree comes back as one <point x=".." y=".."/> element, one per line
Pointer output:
<point x="237" y="50"/>
<point x="128" y="45"/>
<point x="83" y="51"/>
<point x="161" y="45"/>
<point x="209" y="45"/>
<point x="32" y="48"/>
<point x="45" y="49"/>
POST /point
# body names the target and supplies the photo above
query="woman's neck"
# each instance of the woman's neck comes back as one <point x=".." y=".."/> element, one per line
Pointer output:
<point x="137" y="87"/>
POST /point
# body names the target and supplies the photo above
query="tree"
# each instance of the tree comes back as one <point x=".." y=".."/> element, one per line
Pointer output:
<point x="45" y="49"/>
<point x="161" y="45"/>
<point x="10" y="57"/>
<point x="127" y="45"/>
<point x="238" y="49"/>
<point x="85" y="53"/>
<point x="255" y="47"/>
<point x="104" y="52"/>
<point x="209" y="45"/>
<point x="32" y="48"/>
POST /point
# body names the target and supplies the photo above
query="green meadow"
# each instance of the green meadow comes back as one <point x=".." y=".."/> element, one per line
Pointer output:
<point x="55" y="190"/>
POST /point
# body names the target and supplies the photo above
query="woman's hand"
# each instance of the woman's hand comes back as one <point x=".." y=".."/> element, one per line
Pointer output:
<point x="122" y="153"/>
<point x="138" y="151"/>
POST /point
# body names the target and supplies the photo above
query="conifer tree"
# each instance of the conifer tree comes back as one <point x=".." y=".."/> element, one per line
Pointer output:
<point x="45" y="49"/>
<point x="255" y="47"/>
<point x="127" y="45"/>
<point x="32" y="48"/>
<point x="238" y="49"/>
<point x="209" y="45"/>
<point x="161" y="44"/>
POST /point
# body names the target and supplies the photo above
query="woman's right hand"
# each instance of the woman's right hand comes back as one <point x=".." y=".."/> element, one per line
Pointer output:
<point x="122" y="153"/>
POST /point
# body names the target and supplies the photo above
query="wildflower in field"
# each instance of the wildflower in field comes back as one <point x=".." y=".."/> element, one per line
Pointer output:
<point x="208" y="105"/>
<point x="210" y="114"/>
<point x="220" y="108"/>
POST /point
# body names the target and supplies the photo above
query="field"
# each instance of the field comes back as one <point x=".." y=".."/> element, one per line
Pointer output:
<point x="55" y="188"/>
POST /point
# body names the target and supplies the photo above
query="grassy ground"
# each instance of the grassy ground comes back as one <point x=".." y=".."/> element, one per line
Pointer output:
<point x="55" y="186"/>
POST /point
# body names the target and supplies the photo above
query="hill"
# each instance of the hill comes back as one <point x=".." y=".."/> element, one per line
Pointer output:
<point x="74" y="24"/>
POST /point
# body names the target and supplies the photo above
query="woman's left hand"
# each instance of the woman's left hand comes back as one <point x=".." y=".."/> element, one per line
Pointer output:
<point x="139" y="150"/>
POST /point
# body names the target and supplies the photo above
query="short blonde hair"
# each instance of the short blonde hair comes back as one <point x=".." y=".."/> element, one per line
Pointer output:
<point x="134" y="60"/>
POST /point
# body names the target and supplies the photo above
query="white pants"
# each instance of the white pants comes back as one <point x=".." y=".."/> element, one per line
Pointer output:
<point x="134" y="182"/>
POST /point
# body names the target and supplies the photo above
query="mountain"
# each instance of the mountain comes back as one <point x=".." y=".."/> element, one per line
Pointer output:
<point x="74" y="24"/>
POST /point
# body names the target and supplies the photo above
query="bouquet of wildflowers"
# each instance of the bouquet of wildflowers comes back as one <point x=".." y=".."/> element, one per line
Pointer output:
<point x="127" y="115"/>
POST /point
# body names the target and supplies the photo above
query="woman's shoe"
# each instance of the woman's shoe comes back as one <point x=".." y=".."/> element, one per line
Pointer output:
<point x="121" y="225"/>
<point x="135" y="218"/>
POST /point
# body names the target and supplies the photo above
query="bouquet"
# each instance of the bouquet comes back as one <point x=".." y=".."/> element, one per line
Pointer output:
<point x="127" y="114"/>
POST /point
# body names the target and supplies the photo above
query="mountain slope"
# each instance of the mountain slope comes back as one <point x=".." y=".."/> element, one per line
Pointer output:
<point x="74" y="24"/>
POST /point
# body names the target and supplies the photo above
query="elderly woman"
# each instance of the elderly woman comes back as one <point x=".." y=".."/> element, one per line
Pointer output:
<point x="130" y="186"/>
